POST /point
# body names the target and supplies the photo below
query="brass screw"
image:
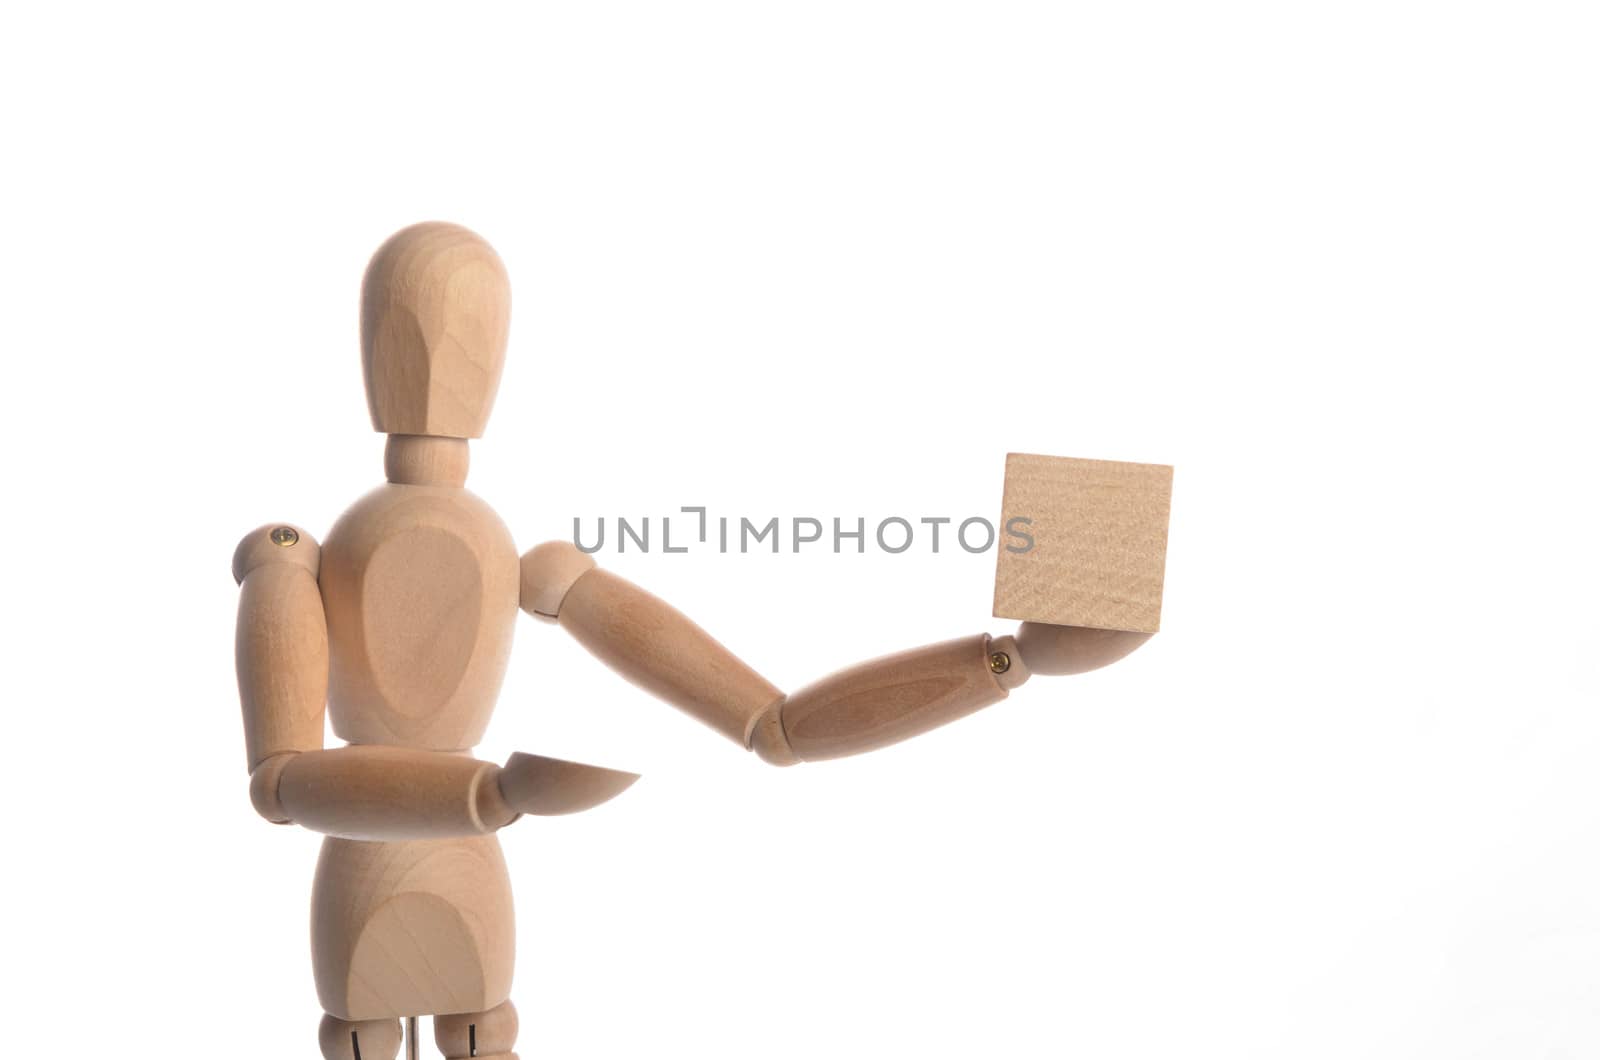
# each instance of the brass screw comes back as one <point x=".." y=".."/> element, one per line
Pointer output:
<point x="999" y="662"/>
<point x="284" y="536"/>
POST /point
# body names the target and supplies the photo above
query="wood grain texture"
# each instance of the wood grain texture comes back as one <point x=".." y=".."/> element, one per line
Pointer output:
<point x="435" y="316"/>
<point x="423" y="460"/>
<point x="485" y="1035"/>
<point x="1055" y="650"/>
<point x="1016" y="671"/>
<point x="411" y="929"/>
<point x="264" y="781"/>
<point x="392" y="793"/>
<point x="657" y="648"/>
<point x="420" y="586"/>
<point x="549" y="571"/>
<point x="881" y="702"/>
<point x="1099" y="552"/>
<point x="359" y="1040"/>
<point x="764" y="735"/>
<point x="276" y="543"/>
<point x="552" y="787"/>
<point x="280" y="644"/>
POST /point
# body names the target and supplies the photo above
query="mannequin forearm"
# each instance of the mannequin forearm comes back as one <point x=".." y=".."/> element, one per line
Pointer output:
<point x="369" y="792"/>
<point x="393" y="793"/>
<point x="881" y="702"/>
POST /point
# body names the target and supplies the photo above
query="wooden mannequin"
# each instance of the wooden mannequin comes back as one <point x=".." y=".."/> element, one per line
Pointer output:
<point x="399" y="628"/>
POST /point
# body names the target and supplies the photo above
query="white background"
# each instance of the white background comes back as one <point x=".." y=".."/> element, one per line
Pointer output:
<point x="1335" y="262"/>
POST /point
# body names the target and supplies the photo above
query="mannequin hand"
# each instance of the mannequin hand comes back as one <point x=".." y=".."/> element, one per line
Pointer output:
<point x="1048" y="649"/>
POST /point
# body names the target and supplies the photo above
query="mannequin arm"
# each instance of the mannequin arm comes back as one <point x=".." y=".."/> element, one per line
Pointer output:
<point x="865" y="707"/>
<point x="361" y="792"/>
<point x="371" y="792"/>
<point x="393" y="793"/>
<point x="281" y="654"/>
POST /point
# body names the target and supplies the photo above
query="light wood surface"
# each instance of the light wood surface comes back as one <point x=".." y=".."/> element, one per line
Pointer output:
<point x="264" y="781"/>
<point x="485" y="1035"/>
<point x="391" y="793"/>
<point x="551" y="787"/>
<point x="420" y="585"/>
<point x="280" y="643"/>
<point x="435" y="316"/>
<point x="276" y="543"/>
<point x="765" y="736"/>
<point x="863" y="708"/>
<point x="423" y="460"/>
<point x="1053" y="650"/>
<point x="1010" y="669"/>
<point x="548" y="574"/>
<point x="359" y="1040"/>
<point x="1099" y="530"/>
<point x="394" y="793"/>
<point x="423" y="927"/>
<point x="887" y="700"/>
<point x="656" y="647"/>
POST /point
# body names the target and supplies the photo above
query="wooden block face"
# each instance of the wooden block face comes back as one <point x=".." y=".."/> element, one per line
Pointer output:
<point x="1099" y="552"/>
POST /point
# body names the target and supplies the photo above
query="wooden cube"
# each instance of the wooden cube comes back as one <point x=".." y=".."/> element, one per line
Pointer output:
<point x="1098" y="553"/>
